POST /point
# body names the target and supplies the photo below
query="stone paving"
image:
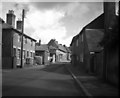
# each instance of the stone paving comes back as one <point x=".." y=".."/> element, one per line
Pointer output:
<point x="94" y="85"/>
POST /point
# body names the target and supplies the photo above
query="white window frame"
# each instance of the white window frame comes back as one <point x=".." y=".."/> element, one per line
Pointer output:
<point x="18" y="54"/>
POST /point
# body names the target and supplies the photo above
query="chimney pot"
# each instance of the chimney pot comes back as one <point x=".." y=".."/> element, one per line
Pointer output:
<point x="10" y="18"/>
<point x="19" y="25"/>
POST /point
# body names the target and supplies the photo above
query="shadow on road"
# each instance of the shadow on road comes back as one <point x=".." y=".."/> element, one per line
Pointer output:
<point x="56" y="68"/>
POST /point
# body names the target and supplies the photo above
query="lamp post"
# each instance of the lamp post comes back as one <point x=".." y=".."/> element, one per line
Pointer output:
<point x="23" y="11"/>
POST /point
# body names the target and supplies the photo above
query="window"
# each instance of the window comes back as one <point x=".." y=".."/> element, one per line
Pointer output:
<point x="82" y="37"/>
<point x="19" y="38"/>
<point x="27" y="53"/>
<point x="81" y="57"/>
<point x="31" y="43"/>
<point x="14" y="52"/>
<point x="31" y="54"/>
<point x="19" y="54"/>
<point x="77" y="42"/>
<point x="25" y="40"/>
<point x="23" y="54"/>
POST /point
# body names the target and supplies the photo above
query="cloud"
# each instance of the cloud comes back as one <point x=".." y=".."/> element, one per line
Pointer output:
<point x="47" y="24"/>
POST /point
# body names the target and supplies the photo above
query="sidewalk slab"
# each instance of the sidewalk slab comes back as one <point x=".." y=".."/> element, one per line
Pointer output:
<point x="95" y="86"/>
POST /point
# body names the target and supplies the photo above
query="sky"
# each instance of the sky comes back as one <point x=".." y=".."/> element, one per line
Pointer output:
<point x="53" y="20"/>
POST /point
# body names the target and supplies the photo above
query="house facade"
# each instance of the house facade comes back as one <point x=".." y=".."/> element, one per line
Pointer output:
<point x="12" y="42"/>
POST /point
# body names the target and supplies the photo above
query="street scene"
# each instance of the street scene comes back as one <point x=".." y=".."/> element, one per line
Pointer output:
<point x="59" y="48"/>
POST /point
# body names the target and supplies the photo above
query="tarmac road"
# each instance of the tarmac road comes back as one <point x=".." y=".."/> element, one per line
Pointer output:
<point x="54" y="80"/>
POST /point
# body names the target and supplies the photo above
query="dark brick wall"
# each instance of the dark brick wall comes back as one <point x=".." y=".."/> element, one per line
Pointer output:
<point x="7" y="49"/>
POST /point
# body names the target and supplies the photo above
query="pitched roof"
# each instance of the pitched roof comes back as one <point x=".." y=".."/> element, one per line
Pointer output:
<point x="74" y="39"/>
<point x="1" y="20"/>
<point x="7" y="26"/>
<point x="93" y="37"/>
<point x="62" y="48"/>
<point x="51" y="47"/>
<point x="53" y="43"/>
<point x="68" y="49"/>
<point x="94" y="33"/>
<point x="43" y="47"/>
<point x="97" y="23"/>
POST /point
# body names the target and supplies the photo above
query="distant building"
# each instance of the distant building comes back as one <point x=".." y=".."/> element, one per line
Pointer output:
<point x="68" y="52"/>
<point x="42" y="51"/>
<point x="11" y="39"/>
<point x="57" y="51"/>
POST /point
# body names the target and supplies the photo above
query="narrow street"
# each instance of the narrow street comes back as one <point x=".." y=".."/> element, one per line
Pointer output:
<point x="54" y="80"/>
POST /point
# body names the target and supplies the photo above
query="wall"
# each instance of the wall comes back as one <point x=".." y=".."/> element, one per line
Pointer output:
<point x="0" y="45"/>
<point x="112" y="64"/>
<point x="46" y="55"/>
<point x="61" y="56"/>
<point x="111" y="51"/>
<point x="6" y="49"/>
<point x="86" y="53"/>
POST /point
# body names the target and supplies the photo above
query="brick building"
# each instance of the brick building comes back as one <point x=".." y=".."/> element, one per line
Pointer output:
<point x="42" y="51"/>
<point x="11" y="39"/>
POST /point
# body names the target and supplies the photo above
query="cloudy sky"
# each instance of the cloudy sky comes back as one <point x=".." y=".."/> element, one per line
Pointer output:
<point x="58" y="20"/>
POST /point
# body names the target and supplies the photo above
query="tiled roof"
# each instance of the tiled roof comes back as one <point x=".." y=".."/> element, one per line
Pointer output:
<point x="43" y="47"/>
<point x="51" y="47"/>
<point x="1" y="20"/>
<point x="97" y="23"/>
<point x="94" y="33"/>
<point x="68" y="49"/>
<point x="74" y="39"/>
<point x="93" y="38"/>
<point x="61" y="47"/>
<point x="7" y="26"/>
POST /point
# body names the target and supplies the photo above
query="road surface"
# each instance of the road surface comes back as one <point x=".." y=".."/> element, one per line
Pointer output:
<point x="54" y="80"/>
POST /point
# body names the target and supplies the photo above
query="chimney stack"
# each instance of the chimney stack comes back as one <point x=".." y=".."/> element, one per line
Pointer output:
<point x="11" y="18"/>
<point x="19" y="25"/>
<point x="39" y="42"/>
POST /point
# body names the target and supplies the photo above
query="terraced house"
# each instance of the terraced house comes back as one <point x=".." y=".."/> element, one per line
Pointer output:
<point x="11" y="49"/>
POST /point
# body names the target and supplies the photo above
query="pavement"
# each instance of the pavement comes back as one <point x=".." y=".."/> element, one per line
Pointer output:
<point x="91" y="85"/>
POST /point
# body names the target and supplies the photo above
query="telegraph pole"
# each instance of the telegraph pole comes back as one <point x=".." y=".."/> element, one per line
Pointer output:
<point x="23" y="12"/>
